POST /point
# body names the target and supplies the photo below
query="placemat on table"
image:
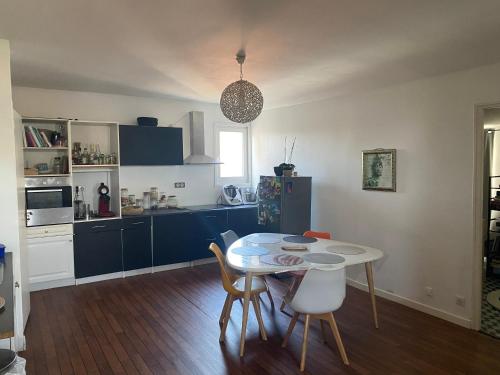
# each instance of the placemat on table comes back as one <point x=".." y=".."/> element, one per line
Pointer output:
<point x="281" y="260"/>
<point x="250" y="251"/>
<point x="323" y="258"/>
<point x="300" y="239"/>
<point x="264" y="238"/>
<point x="345" y="249"/>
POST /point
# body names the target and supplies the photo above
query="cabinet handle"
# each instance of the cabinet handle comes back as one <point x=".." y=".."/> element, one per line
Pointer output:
<point x="210" y="217"/>
<point x="139" y="222"/>
<point x="211" y="239"/>
<point x="98" y="226"/>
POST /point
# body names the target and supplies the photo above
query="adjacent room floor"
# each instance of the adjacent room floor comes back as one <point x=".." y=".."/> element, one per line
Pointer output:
<point x="167" y="323"/>
<point x="490" y="316"/>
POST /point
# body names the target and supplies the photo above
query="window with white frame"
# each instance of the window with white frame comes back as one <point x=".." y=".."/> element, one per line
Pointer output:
<point x="232" y="146"/>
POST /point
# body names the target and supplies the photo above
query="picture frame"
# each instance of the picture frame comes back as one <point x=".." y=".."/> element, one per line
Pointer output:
<point x="379" y="169"/>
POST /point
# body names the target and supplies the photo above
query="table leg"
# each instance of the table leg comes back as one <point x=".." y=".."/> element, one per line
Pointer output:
<point x="369" y="278"/>
<point x="246" y="302"/>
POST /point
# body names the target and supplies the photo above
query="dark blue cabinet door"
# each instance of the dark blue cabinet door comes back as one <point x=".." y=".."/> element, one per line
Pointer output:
<point x="140" y="145"/>
<point x="244" y="221"/>
<point x="137" y="243"/>
<point x="98" y="253"/>
<point x="174" y="238"/>
<point x="209" y="225"/>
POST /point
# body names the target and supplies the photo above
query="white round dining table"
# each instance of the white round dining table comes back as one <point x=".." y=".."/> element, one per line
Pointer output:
<point x="270" y="259"/>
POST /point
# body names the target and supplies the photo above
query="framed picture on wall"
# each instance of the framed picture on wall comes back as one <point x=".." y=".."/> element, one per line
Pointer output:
<point x="379" y="169"/>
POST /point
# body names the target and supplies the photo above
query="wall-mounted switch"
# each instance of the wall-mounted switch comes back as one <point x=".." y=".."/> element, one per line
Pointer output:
<point x="179" y="185"/>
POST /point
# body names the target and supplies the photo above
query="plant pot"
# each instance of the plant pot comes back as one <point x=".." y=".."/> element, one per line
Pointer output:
<point x="288" y="172"/>
<point x="278" y="171"/>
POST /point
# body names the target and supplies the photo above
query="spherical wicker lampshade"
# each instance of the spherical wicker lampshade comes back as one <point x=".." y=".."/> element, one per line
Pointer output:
<point x="241" y="101"/>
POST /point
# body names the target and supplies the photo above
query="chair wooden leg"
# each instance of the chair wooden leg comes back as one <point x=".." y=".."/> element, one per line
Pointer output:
<point x="270" y="298"/>
<point x="371" y="289"/>
<point x="223" y="312"/>
<point x="290" y="329"/>
<point x="338" y="339"/>
<point x="288" y="293"/>
<point x="225" y="320"/>
<point x="244" y="319"/>
<point x="304" y="343"/>
<point x="256" y="307"/>
<point x="323" y="332"/>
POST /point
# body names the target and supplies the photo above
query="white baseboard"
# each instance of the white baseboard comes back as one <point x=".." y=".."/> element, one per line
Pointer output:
<point x="461" y="321"/>
<point x="140" y="271"/>
<point x="168" y="267"/>
<point x="51" y="284"/>
<point x="93" y="279"/>
<point x="200" y="262"/>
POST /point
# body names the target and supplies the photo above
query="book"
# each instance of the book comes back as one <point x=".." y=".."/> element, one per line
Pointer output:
<point x="30" y="138"/>
<point x="45" y="138"/>
<point x="36" y="136"/>
<point x="25" y="141"/>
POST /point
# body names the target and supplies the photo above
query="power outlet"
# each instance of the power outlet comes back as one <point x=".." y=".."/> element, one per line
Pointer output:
<point x="460" y="300"/>
<point x="428" y="291"/>
<point x="179" y="185"/>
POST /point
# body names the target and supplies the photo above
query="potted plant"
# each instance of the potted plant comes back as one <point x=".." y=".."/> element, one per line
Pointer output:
<point x="286" y="168"/>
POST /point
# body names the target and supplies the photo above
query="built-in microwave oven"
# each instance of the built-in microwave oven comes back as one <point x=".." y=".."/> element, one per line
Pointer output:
<point x="48" y="204"/>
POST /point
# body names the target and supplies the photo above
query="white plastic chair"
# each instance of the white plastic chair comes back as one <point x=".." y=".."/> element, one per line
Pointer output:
<point x="229" y="237"/>
<point x="318" y="296"/>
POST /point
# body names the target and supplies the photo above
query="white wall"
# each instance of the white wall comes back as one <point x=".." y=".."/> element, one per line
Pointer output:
<point x="426" y="227"/>
<point x="200" y="182"/>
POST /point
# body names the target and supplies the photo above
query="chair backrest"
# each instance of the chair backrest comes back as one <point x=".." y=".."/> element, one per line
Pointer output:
<point x="229" y="238"/>
<point x="320" y="292"/>
<point x="227" y="279"/>
<point x="323" y="235"/>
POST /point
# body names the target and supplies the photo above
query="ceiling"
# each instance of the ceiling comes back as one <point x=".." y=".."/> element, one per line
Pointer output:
<point x="297" y="51"/>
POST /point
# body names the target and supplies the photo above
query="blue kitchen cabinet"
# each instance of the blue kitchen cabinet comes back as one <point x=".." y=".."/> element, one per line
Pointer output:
<point x="97" y="248"/>
<point x="174" y="238"/>
<point x="209" y="226"/>
<point x="136" y="241"/>
<point x="243" y="220"/>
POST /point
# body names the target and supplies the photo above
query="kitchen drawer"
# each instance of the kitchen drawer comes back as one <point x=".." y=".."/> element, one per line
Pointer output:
<point x="98" y="226"/>
<point x="211" y="223"/>
<point x="133" y="222"/>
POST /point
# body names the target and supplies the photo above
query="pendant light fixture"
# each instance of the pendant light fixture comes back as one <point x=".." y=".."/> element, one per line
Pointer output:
<point x="241" y="101"/>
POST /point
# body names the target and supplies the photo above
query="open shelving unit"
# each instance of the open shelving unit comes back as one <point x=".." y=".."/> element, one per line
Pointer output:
<point x="106" y="135"/>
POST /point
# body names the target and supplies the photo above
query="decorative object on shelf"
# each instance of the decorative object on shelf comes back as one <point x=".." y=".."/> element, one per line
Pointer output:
<point x="79" y="203"/>
<point x="147" y="121"/>
<point x="42" y="168"/>
<point x="30" y="171"/>
<point x="104" y="201"/>
<point x="91" y="155"/>
<point x="241" y="101"/>
<point x="379" y="169"/>
<point x="286" y="168"/>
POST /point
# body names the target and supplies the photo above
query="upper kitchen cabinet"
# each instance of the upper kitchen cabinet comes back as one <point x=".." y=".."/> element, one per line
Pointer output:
<point x="142" y="145"/>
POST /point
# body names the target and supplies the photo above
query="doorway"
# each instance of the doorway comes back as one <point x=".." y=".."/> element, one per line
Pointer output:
<point x="488" y="300"/>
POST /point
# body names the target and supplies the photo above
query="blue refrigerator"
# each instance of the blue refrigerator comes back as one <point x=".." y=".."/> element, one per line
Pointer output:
<point x="284" y="204"/>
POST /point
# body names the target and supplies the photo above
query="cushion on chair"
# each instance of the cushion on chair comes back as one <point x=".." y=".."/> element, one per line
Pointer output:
<point x="258" y="284"/>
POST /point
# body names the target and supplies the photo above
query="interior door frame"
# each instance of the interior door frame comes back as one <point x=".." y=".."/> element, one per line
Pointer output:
<point x="477" y="192"/>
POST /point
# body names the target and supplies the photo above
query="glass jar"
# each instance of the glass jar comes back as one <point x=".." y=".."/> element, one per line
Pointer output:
<point x="154" y="198"/>
<point x="131" y="199"/>
<point x="57" y="165"/>
<point x="172" y="201"/>
<point x="138" y="203"/>
<point x="124" y="197"/>
<point x="146" y="200"/>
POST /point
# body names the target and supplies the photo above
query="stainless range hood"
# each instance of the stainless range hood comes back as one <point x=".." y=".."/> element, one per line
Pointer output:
<point x="197" y="141"/>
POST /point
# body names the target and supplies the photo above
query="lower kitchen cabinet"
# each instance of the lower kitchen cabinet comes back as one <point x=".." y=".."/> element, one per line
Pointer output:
<point x="174" y="238"/>
<point x="136" y="241"/>
<point x="209" y="226"/>
<point x="244" y="220"/>
<point x="98" y="248"/>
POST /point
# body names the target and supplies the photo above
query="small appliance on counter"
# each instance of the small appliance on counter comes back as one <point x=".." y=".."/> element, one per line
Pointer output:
<point x="249" y="196"/>
<point x="231" y="195"/>
<point x="104" y="201"/>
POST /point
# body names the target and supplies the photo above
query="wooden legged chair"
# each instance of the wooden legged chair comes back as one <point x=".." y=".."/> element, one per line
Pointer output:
<point x="229" y="237"/>
<point x="320" y="294"/>
<point x="298" y="275"/>
<point x="234" y="285"/>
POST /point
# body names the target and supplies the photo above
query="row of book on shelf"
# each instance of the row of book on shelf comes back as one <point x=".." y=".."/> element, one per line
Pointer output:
<point x="34" y="137"/>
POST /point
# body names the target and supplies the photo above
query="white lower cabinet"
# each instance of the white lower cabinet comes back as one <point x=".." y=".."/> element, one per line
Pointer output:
<point x="50" y="256"/>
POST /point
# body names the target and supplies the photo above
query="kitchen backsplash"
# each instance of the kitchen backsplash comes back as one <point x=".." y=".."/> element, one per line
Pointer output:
<point x="199" y="179"/>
